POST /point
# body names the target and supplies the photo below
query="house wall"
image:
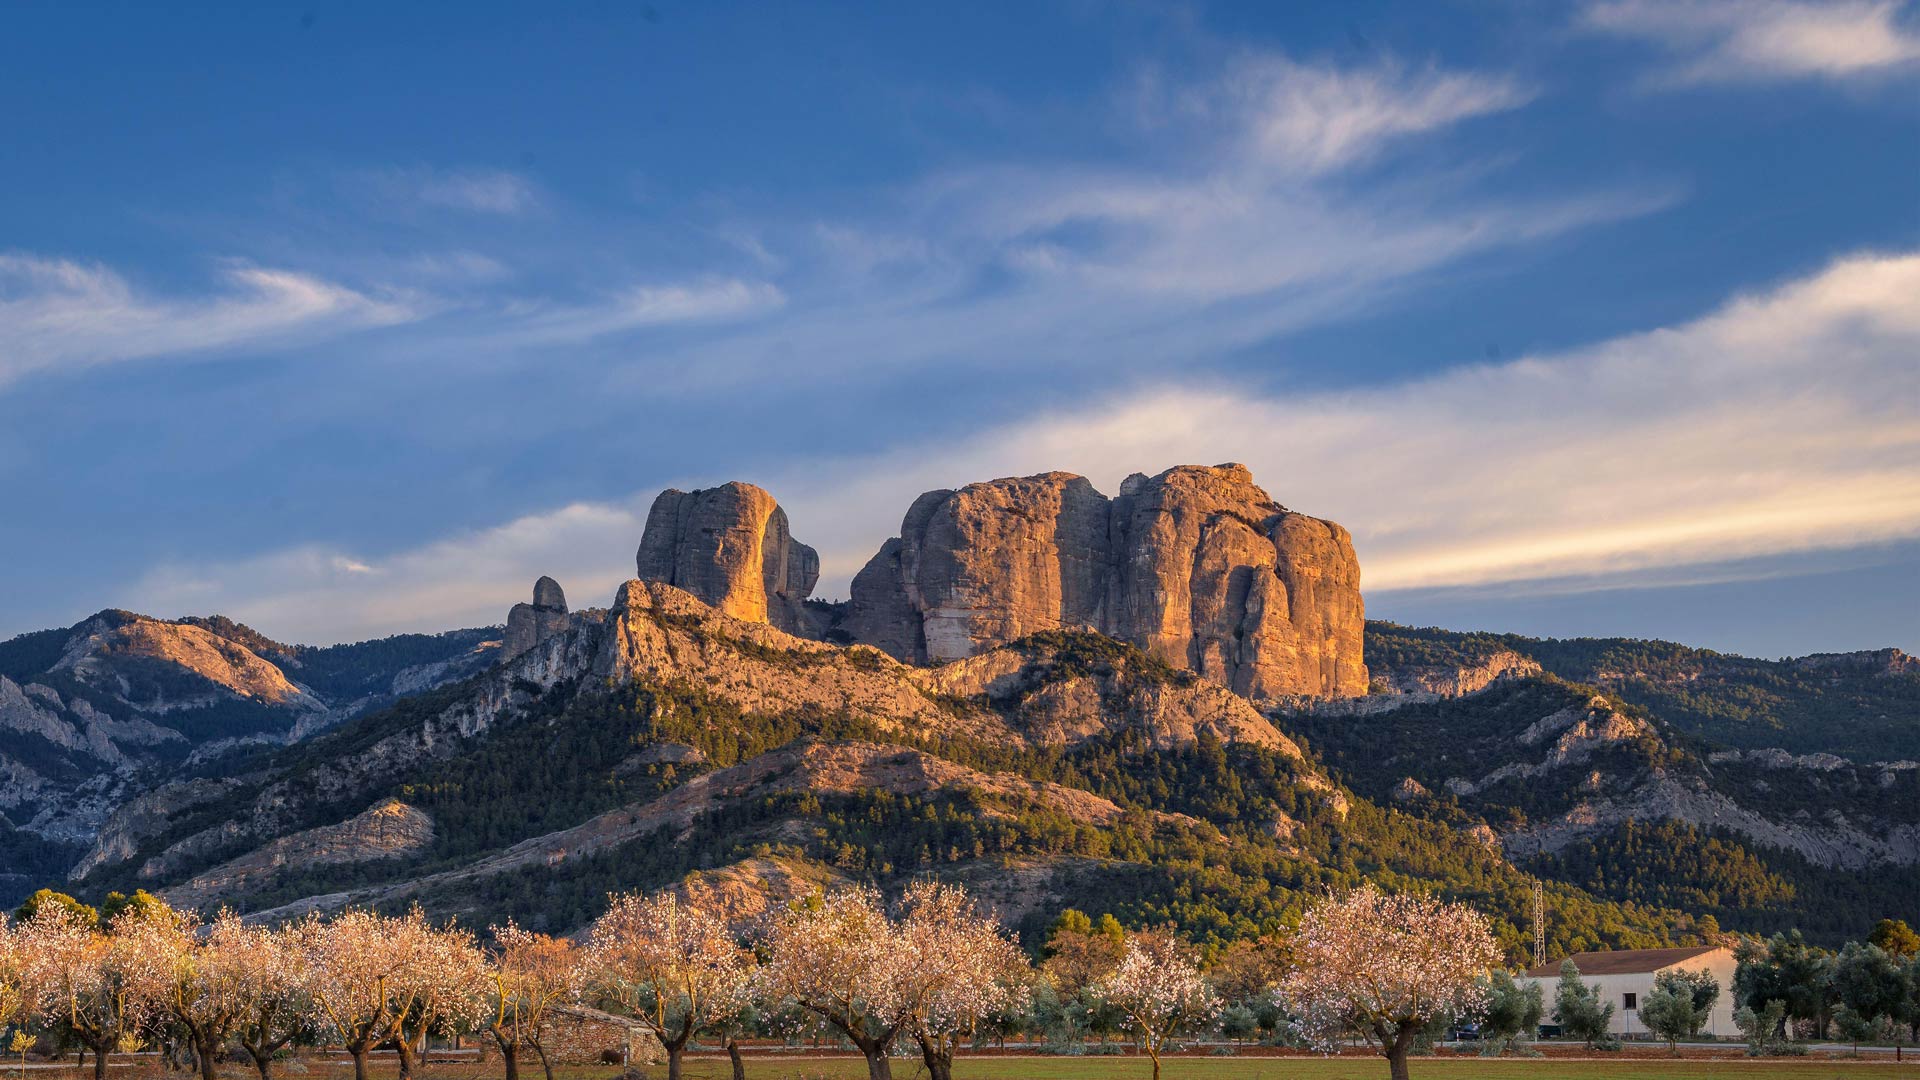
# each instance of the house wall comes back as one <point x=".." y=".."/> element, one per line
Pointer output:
<point x="1614" y="989"/>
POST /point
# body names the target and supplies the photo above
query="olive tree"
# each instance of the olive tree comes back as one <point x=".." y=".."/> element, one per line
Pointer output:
<point x="1679" y="1004"/>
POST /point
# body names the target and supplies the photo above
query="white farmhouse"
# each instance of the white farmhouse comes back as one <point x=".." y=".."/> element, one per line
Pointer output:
<point x="1626" y="975"/>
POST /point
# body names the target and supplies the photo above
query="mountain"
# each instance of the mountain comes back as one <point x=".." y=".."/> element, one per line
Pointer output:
<point x="716" y="722"/>
<point x="100" y="711"/>
<point x="1638" y="802"/>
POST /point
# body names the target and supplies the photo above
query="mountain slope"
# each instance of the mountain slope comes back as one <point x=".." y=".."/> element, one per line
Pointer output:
<point x="1582" y="786"/>
<point x="93" y="714"/>
<point x="664" y="738"/>
<point x="1862" y="705"/>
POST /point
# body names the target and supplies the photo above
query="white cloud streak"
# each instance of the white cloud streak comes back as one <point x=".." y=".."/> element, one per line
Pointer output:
<point x="474" y="191"/>
<point x="1733" y="41"/>
<point x="646" y="306"/>
<point x="60" y="314"/>
<point x="1317" y="118"/>
<point x="1785" y="421"/>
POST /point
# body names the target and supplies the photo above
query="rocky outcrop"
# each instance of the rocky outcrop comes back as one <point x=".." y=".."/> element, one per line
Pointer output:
<point x="530" y="624"/>
<point x="1427" y="682"/>
<point x="388" y="830"/>
<point x="730" y="546"/>
<point x="1197" y="566"/>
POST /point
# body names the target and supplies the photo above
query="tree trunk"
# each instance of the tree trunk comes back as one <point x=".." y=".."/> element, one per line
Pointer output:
<point x="1154" y="1053"/>
<point x="261" y="1062"/>
<point x="510" y="1053"/>
<point x="205" y="1049"/>
<point x="875" y="1051"/>
<point x="1398" y="1049"/>
<point x="673" y="1061"/>
<point x="546" y="1063"/>
<point x="99" y="1064"/>
<point x="938" y="1059"/>
<point x="359" y="1055"/>
<point x="403" y="1046"/>
<point x="733" y="1054"/>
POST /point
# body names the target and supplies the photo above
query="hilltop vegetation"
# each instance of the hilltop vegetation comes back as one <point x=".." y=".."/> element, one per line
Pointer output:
<point x="1864" y="706"/>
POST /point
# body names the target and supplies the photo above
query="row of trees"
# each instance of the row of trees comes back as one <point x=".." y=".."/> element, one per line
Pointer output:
<point x="1866" y="991"/>
<point x="928" y="969"/>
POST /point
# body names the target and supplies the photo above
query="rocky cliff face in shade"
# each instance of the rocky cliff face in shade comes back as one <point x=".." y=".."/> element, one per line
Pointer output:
<point x="1198" y="566"/>
<point x="729" y="546"/>
<point x="530" y="624"/>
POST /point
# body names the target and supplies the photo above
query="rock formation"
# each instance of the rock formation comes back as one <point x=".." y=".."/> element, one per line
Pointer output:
<point x="729" y="546"/>
<point x="1197" y="566"/>
<point x="530" y="624"/>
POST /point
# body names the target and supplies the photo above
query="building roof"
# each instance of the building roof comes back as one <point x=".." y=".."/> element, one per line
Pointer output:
<point x="1623" y="961"/>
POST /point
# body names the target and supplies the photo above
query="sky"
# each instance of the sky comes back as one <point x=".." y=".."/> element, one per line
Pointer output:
<point x="1596" y="318"/>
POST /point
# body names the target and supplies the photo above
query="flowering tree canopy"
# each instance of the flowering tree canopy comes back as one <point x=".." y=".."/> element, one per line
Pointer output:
<point x="671" y="964"/>
<point x="962" y="967"/>
<point x="840" y="958"/>
<point x="78" y="978"/>
<point x="1386" y="967"/>
<point x="531" y="973"/>
<point x="1159" y="989"/>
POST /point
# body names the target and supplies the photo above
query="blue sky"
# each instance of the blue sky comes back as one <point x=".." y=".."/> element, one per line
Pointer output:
<point x="344" y="320"/>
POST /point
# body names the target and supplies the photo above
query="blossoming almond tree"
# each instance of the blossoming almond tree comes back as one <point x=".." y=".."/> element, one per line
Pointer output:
<point x="278" y="1006"/>
<point x="446" y="981"/>
<point x="1159" y="989"/>
<point x="79" y="979"/>
<point x="961" y="968"/>
<point x="840" y="958"/>
<point x="529" y="975"/>
<point x="1386" y="967"/>
<point x="357" y="965"/>
<point x="671" y="964"/>
<point x="197" y="982"/>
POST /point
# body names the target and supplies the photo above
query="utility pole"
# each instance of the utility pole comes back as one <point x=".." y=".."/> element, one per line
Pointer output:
<point x="1539" y="924"/>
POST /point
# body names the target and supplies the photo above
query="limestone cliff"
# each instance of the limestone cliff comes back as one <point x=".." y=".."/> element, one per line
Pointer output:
<point x="729" y="546"/>
<point x="1198" y="566"/>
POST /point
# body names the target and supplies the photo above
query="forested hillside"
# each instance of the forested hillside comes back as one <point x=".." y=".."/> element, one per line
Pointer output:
<point x="1864" y="705"/>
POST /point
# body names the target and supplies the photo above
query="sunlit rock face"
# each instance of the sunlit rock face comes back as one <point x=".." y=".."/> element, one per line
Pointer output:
<point x="729" y="546"/>
<point x="1198" y="566"/>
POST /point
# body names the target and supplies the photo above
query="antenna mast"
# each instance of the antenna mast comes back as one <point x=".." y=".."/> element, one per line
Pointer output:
<point x="1539" y="924"/>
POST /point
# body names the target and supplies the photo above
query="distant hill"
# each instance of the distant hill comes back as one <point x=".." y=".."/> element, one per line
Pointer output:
<point x="98" y="712"/>
<point x="1860" y="705"/>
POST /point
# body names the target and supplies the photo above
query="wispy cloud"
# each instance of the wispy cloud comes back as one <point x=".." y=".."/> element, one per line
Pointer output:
<point x="60" y="314"/>
<point x="1785" y="421"/>
<point x="1233" y="219"/>
<point x="321" y="594"/>
<point x="1319" y="117"/>
<point x="1757" y="40"/>
<point x="475" y="191"/>
<point x="643" y="306"/>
